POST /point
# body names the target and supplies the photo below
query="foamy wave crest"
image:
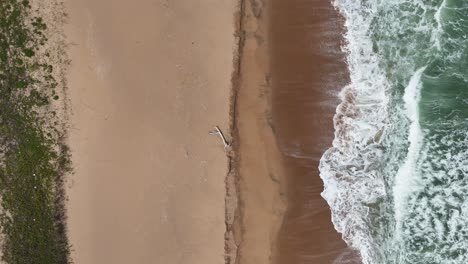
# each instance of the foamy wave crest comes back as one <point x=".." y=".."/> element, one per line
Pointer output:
<point x="406" y="177"/>
<point x="351" y="169"/>
<point x="395" y="176"/>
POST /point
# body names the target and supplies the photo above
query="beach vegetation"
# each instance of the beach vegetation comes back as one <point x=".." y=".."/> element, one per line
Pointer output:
<point x="33" y="155"/>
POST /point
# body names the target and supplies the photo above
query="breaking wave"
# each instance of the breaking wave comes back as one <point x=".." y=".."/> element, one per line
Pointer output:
<point x="395" y="178"/>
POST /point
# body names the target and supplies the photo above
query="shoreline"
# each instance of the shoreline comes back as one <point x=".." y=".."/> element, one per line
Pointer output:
<point x="289" y="88"/>
<point x="309" y="70"/>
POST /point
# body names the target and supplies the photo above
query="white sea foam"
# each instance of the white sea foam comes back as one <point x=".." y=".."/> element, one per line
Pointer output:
<point x="357" y="172"/>
<point x="395" y="178"/>
<point x="349" y="169"/>
<point x="439" y="30"/>
<point x="406" y="178"/>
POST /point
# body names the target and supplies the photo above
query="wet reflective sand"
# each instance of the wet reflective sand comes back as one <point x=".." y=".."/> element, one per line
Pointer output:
<point x="308" y="71"/>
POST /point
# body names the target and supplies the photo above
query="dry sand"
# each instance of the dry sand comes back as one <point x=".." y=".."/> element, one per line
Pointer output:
<point x="148" y="80"/>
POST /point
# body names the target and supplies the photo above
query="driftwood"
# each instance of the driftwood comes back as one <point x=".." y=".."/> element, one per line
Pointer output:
<point x="218" y="131"/>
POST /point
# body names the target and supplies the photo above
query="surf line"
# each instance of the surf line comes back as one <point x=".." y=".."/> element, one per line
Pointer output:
<point x="406" y="179"/>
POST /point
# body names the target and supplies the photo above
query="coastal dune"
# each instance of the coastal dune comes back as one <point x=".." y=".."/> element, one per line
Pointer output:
<point x="148" y="80"/>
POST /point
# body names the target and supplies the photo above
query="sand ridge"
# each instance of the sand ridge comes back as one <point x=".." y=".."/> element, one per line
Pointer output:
<point x="259" y="169"/>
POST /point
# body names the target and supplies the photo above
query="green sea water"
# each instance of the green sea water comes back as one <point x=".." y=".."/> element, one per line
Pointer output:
<point x="396" y="178"/>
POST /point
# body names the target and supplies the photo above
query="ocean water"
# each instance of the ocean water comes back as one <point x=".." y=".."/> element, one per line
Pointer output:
<point x="396" y="178"/>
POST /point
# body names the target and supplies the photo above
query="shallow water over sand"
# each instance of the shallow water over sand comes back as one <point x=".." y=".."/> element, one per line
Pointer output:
<point x="308" y="71"/>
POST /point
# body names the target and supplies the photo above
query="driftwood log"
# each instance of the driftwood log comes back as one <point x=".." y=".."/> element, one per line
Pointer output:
<point x="218" y="131"/>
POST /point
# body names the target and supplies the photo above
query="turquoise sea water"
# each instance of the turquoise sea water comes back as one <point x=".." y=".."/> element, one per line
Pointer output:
<point x="396" y="177"/>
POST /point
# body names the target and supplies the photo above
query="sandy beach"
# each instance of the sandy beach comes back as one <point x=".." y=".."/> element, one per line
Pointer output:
<point x="259" y="169"/>
<point x="291" y="71"/>
<point x="147" y="82"/>
<point x="233" y="132"/>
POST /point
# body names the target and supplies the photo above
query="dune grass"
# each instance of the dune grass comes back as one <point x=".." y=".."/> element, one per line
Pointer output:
<point x="33" y="157"/>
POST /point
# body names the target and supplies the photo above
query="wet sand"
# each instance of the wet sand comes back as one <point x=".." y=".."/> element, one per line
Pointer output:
<point x="308" y="71"/>
<point x="258" y="165"/>
<point x="291" y="71"/>
<point x="148" y="80"/>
